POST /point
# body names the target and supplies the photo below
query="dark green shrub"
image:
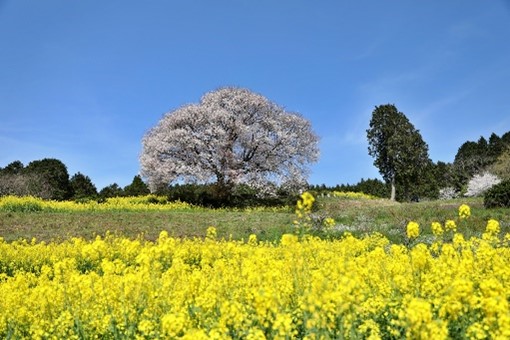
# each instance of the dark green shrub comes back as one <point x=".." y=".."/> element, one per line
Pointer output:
<point x="498" y="196"/>
<point x="210" y="195"/>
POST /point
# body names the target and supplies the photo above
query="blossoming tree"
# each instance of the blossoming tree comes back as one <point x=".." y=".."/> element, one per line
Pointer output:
<point x="480" y="183"/>
<point x="232" y="136"/>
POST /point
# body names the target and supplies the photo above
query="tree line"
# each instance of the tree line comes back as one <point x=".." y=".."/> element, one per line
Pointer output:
<point x="49" y="178"/>
<point x="401" y="155"/>
<point x="236" y="147"/>
<point x="235" y="139"/>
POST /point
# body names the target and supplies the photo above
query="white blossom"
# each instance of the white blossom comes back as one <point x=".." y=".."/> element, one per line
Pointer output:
<point x="232" y="136"/>
<point x="448" y="193"/>
<point x="481" y="183"/>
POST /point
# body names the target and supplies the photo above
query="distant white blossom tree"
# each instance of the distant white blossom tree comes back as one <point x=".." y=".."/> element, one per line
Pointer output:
<point x="232" y="136"/>
<point x="448" y="193"/>
<point x="481" y="183"/>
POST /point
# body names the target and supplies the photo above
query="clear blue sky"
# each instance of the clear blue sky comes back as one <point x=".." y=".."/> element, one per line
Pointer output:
<point x="83" y="81"/>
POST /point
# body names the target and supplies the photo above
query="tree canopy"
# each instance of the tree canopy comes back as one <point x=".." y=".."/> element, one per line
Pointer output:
<point x="112" y="190"/>
<point x="46" y="178"/>
<point x="53" y="178"/>
<point x="82" y="186"/>
<point x="398" y="149"/>
<point x="501" y="167"/>
<point x="231" y="137"/>
<point x="136" y="188"/>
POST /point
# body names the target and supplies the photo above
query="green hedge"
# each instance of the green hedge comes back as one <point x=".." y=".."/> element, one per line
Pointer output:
<point x="498" y="196"/>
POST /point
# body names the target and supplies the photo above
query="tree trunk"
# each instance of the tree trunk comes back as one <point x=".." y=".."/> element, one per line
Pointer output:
<point x="222" y="188"/>
<point x="393" y="189"/>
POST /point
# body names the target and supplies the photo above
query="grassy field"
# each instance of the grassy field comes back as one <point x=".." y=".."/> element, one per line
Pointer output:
<point x="358" y="217"/>
<point x="48" y="226"/>
<point x="391" y="218"/>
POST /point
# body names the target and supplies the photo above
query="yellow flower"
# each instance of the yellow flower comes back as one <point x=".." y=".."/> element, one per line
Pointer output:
<point x="329" y="222"/>
<point x="216" y="289"/>
<point x="370" y="329"/>
<point x="418" y="312"/>
<point x="211" y="233"/>
<point x="450" y="225"/>
<point x="492" y="227"/>
<point x="288" y="239"/>
<point x="477" y="331"/>
<point x="352" y="195"/>
<point x="303" y="210"/>
<point x="464" y="211"/>
<point x="306" y="202"/>
<point x="173" y="324"/>
<point x="437" y="229"/>
<point x="146" y="327"/>
<point x="413" y="229"/>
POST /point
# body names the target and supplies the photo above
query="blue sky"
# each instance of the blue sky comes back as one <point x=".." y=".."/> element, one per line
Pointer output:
<point x="83" y="81"/>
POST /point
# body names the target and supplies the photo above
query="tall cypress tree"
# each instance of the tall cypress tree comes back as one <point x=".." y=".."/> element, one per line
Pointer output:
<point x="398" y="149"/>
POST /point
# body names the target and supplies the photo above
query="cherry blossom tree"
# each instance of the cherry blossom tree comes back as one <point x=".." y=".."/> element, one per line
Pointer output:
<point x="232" y="136"/>
<point x="480" y="183"/>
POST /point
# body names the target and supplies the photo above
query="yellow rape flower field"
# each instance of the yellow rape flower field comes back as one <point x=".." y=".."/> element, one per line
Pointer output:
<point x="211" y="288"/>
<point x="299" y="286"/>
<point x="146" y="203"/>
<point x="141" y="203"/>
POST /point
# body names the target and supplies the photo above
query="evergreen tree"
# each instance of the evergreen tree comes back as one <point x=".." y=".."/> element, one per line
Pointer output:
<point x="137" y="187"/>
<point x="112" y="190"/>
<point x="473" y="158"/>
<point x="398" y="149"/>
<point x="373" y="187"/>
<point x="15" y="167"/>
<point x="505" y="138"/>
<point x="52" y="179"/>
<point x="496" y="147"/>
<point x="82" y="186"/>
<point x="501" y="167"/>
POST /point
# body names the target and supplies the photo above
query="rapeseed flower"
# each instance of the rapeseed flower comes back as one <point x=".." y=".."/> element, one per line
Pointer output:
<point x="329" y="222"/>
<point x="464" y="211"/>
<point x="418" y="312"/>
<point x="300" y="287"/>
<point x="450" y="225"/>
<point x="437" y="229"/>
<point x="352" y="195"/>
<point x="252" y="239"/>
<point x="288" y="239"/>
<point x="211" y="233"/>
<point x="492" y="227"/>
<point x="136" y="203"/>
<point x="304" y="204"/>
<point x="413" y="229"/>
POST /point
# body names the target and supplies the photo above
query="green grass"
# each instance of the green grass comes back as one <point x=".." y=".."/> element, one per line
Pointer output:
<point x="55" y="226"/>
<point x="358" y="217"/>
<point x="391" y="218"/>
